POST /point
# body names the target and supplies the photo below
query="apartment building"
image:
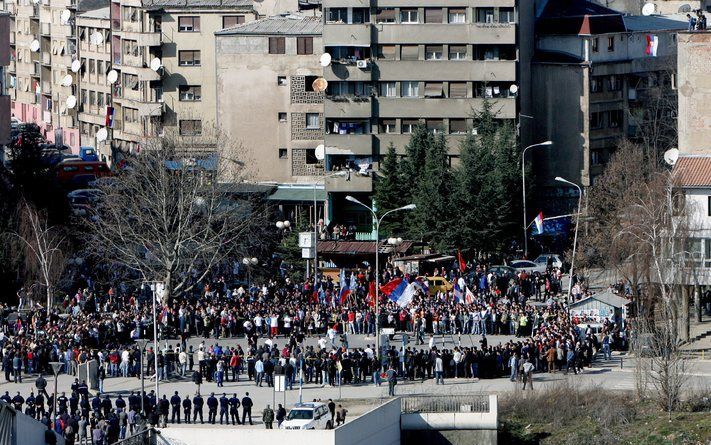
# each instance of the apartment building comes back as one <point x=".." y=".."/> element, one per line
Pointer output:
<point x="611" y="67"/>
<point x="5" y="60"/>
<point x="663" y="7"/>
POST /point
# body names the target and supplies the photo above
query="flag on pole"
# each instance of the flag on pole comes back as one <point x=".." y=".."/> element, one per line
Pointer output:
<point x="371" y="294"/>
<point x="462" y="263"/>
<point x="422" y="284"/>
<point x="539" y="223"/>
<point x="345" y="287"/>
<point x="398" y="290"/>
<point x="469" y="296"/>
<point x="457" y="293"/>
<point x="110" y="117"/>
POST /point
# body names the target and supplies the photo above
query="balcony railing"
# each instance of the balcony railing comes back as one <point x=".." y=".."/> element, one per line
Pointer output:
<point x="470" y="403"/>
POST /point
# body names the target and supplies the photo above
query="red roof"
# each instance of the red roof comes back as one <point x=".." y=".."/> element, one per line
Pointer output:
<point x="357" y="247"/>
<point x="693" y="171"/>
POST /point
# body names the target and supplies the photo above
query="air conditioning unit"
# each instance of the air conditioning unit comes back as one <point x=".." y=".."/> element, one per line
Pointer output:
<point x="363" y="64"/>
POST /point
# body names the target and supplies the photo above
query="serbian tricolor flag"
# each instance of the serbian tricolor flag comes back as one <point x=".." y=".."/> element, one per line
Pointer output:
<point x="457" y="293"/>
<point x="539" y="223"/>
<point x="345" y="287"/>
<point x="109" y="117"/>
<point x="462" y="263"/>
<point x="652" y="44"/>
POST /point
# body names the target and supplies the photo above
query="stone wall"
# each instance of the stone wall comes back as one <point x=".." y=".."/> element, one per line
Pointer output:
<point x="299" y="95"/>
<point x="299" y="167"/>
<point x="299" y="132"/>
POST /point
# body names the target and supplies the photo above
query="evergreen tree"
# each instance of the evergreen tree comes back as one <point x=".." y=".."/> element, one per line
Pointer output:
<point x="389" y="193"/>
<point x="411" y="175"/>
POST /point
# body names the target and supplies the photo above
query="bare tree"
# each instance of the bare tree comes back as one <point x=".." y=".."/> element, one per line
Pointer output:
<point x="44" y="248"/>
<point x="171" y="215"/>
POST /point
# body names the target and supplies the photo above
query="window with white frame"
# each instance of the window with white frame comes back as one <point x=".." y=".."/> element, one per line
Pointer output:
<point x="457" y="52"/>
<point x="190" y="93"/>
<point x="410" y="89"/>
<point x="388" y="89"/>
<point x="409" y="16"/>
<point x="434" y="52"/>
<point x="312" y="121"/>
<point x="408" y="125"/>
<point x="457" y="15"/>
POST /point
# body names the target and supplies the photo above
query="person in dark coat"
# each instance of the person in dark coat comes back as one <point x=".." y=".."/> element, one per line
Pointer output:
<point x="247" y="408"/>
<point x="175" y="405"/>
<point x="234" y="409"/>
<point x="187" y="407"/>
<point x="197" y="407"/>
<point x="212" y="408"/>
<point x="224" y="406"/>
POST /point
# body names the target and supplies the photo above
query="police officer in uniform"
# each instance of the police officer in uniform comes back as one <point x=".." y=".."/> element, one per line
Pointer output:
<point x="134" y="402"/>
<point x="30" y="409"/>
<point x="175" y="404"/>
<point x="234" y="409"/>
<point x="197" y="405"/>
<point x="163" y="409"/>
<point x="224" y="404"/>
<point x="212" y="408"/>
<point x="18" y="401"/>
<point x="247" y="408"/>
<point x="120" y="403"/>
<point x="187" y="407"/>
<point x="62" y="403"/>
<point x="39" y="403"/>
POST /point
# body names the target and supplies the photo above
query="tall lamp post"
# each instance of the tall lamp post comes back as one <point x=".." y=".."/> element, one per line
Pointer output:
<point x="377" y="264"/>
<point x="523" y="180"/>
<point x="249" y="262"/>
<point x="575" y="238"/>
<point x="141" y="343"/>
<point x="56" y="367"/>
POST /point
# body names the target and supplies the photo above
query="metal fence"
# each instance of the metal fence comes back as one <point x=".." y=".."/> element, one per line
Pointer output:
<point x="145" y="437"/>
<point x="477" y="403"/>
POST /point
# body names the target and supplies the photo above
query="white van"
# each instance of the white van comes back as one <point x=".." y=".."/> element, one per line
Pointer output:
<point x="308" y="416"/>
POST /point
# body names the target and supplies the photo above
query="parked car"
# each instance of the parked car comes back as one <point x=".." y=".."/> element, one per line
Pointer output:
<point x="81" y="201"/>
<point x="437" y="284"/>
<point x="528" y="266"/>
<point x="557" y="261"/>
<point x="308" y="416"/>
<point x="502" y="271"/>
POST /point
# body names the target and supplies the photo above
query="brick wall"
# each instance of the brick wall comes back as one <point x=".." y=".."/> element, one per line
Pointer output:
<point x="299" y="132"/>
<point x="299" y="167"/>
<point x="298" y="92"/>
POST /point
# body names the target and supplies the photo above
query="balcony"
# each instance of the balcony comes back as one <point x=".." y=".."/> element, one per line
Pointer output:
<point x="45" y="29"/>
<point x="348" y="107"/>
<point x="356" y="183"/>
<point x="478" y="33"/>
<point x="344" y="34"/>
<point x="145" y="108"/>
<point x="349" y="144"/>
<point x="346" y="4"/>
<point x="144" y="38"/>
<point x="441" y="108"/>
<point x="451" y="70"/>
<point x="347" y="71"/>
<point x="433" y="3"/>
<point x="144" y="74"/>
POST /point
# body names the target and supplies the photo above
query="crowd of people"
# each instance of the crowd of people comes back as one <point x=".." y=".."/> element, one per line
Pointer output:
<point x="276" y="318"/>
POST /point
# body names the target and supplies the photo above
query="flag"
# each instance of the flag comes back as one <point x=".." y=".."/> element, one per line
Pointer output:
<point x="462" y="263"/>
<point x="422" y="284"/>
<point x="345" y="287"/>
<point x="390" y="286"/>
<point x="396" y="289"/>
<point x="539" y="224"/>
<point x="110" y="117"/>
<point x="469" y="296"/>
<point x="371" y="294"/>
<point x="457" y="293"/>
<point x="652" y="44"/>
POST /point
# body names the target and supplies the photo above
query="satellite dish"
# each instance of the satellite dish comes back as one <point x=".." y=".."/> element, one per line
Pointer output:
<point x="319" y="85"/>
<point x="648" y="9"/>
<point x="101" y="135"/>
<point x="65" y="16"/>
<point x="684" y="8"/>
<point x="71" y="102"/>
<point x="35" y="46"/>
<point x="76" y="65"/>
<point x="671" y="156"/>
<point x="67" y="80"/>
<point x="97" y="38"/>
<point x="156" y="64"/>
<point x="513" y="89"/>
<point x="320" y="152"/>
<point x="35" y="1"/>
<point x="112" y="76"/>
<point x="325" y="59"/>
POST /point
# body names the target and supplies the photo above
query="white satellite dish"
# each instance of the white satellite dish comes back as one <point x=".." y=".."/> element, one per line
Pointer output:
<point x="513" y="89"/>
<point x="648" y="9"/>
<point x="112" y="76"/>
<point x="35" y="46"/>
<point x="156" y="64"/>
<point x="671" y="156"/>
<point x="325" y="59"/>
<point x="35" y="1"/>
<point x="65" y="15"/>
<point x="101" y="135"/>
<point x="97" y="38"/>
<point x="71" y="102"/>
<point x="320" y="152"/>
<point x="67" y="80"/>
<point x="76" y="65"/>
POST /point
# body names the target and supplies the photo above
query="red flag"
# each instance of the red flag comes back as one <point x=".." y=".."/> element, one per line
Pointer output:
<point x="462" y="263"/>
<point x="371" y="294"/>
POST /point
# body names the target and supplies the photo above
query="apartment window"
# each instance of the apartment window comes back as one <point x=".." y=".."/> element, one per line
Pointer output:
<point x="281" y="81"/>
<point x="283" y="153"/>
<point x="434" y="52"/>
<point x="388" y="89"/>
<point x="614" y="83"/>
<point x="614" y="118"/>
<point x="408" y="125"/>
<point x="312" y="121"/>
<point x="130" y="115"/>
<point x="385" y="16"/>
<point x="595" y="121"/>
<point x="433" y="89"/>
<point x="92" y="66"/>
<point x="361" y="15"/>
<point x="189" y="24"/>
<point x="130" y="48"/>
<point x="707" y="253"/>
<point x="304" y="45"/>
<point x="100" y="99"/>
<point x="409" y="16"/>
<point x="457" y="90"/>
<point x="433" y="15"/>
<point x="485" y="15"/>
<point x="337" y="15"/>
<point x="506" y="15"/>
<point x="311" y="158"/>
<point x="387" y="52"/>
<point x="84" y="97"/>
<point x="277" y="45"/>
<point x="387" y="126"/>
<point x="457" y="126"/>
<point x="457" y="15"/>
<point x="435" y="125"/>
<point x="189" y="58"/>
<point x="92" y="98"/>
<point x="457" y="52"/>
<point x="190" y="93"/>
<point x="708" y="212"/>
<point x="130" y="81"/>
<point x="611" y="43"/>
<point x="409" y="52"/>
<point x="595" y="44"/>
<point x="595" y="84"/>
<point x="228" y="21"/>
<point x="595" y="157"/>
<point x="100" y="67"/>
<point x="410" y="89"/>
<point x="282" y="116"/>
<point x="190" y="127"/>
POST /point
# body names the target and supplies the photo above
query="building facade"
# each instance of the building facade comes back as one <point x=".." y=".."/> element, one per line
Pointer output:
<point x="5" y="60"/>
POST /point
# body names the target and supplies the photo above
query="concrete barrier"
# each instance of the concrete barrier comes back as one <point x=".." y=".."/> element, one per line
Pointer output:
<point x="453" y="420"/>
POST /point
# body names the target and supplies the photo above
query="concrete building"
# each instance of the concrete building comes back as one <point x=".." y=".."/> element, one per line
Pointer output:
<point x="5" y="60"/>
<point x="664" y="7"/>
<point x="608" y="65"/>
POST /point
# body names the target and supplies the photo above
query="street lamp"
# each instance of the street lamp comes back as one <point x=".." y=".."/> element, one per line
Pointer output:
<point x="249" y="262"/>
<point x="575" y="238"/>
<point x="377" y="271"/>
<point x="141" y="343"/>
<point x="283" y="225"/>
<point x="332" y="175"/>
<point x="56" y="367"/>
<point x="523" y="180"/>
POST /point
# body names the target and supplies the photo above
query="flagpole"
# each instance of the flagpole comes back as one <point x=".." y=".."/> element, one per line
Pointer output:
<point x="523" y="188"/>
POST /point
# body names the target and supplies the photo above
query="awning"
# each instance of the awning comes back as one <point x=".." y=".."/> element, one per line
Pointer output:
<point x="433" y="90"/>
<point x="297" y="194"/>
